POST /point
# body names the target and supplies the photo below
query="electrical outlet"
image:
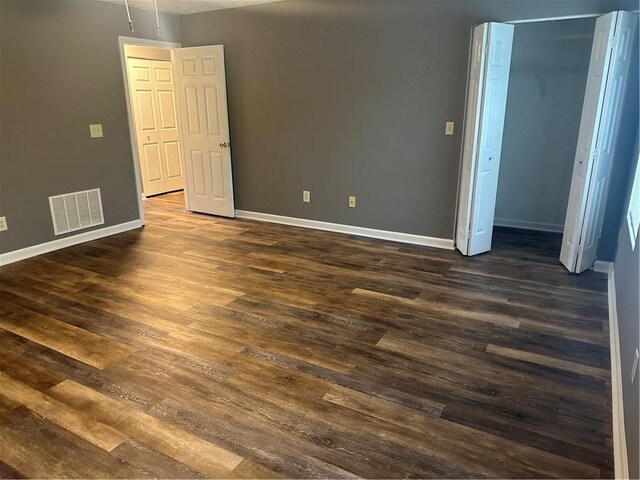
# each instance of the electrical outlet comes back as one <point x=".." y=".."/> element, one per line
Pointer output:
<point x="634" y="367"/>
<point x="96" y="130"/>
<point x="306" y="196"/>
<point x="352" y="202"/>
<point x="448" y="128"/>
<point x="3" y="224"/>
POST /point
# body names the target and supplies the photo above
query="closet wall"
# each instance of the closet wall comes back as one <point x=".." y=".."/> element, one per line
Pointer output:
<point x="549" y="68"/>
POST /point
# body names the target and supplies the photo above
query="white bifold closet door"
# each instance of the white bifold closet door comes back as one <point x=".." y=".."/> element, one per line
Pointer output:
<point x="202" y="99"/>
<point x="484" y="125"/>
<point x="601" y="111"/>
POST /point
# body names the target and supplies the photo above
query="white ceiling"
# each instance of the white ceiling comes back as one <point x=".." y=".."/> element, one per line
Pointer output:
<point x="185" y="7"/>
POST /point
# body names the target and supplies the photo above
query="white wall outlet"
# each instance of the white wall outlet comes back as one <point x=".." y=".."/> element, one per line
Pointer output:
<point x="3" y="224"/>
<point x="448" y="128"/>
<point x="634" y="367"/>
<point x="352" y="202"/>
<point x="95" y="129"/>
<point x="306" y="196"/>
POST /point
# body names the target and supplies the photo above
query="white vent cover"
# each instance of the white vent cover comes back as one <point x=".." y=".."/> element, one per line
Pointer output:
<point x="75" y="211"/>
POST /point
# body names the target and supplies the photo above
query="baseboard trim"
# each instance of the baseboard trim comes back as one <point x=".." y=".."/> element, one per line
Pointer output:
<point x="603" y="267"/>
<point x="443" y="243"/>
<point x="24" y="253"/>
<point x="621" y="461"/>
<point x="541" y="227"/>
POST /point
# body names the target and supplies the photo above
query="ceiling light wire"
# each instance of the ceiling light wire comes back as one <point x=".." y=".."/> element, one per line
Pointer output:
<point x="126" y="5"/>
<point x="157" y="17"/>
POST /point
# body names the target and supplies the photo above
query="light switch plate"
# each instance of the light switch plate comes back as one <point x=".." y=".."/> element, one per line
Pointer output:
<point x="3" y="224"/>
<point x="95" y="129"/>
<point x="448" y="128"/>
<point x="306" y="196"/>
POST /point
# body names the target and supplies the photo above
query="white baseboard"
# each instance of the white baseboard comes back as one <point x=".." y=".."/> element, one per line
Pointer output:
<point x="543" y="227"/>
<point x="621" y="461"/>
<point x="444" y="243"/>
<point x="24" y="253"/>
<point x="603" y="267"/>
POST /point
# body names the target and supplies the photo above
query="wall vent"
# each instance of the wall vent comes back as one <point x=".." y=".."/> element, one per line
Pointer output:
<point x="75" y="211"/>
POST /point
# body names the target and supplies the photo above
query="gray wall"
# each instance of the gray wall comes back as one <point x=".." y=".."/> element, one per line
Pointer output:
<point x="627" y="275"/>
<point x="616" y="244"/>
<point x="549" y="66"/>
<point x="60" y="71"/>
<point x="351" y="97"/>
<point x="339" y="98"/>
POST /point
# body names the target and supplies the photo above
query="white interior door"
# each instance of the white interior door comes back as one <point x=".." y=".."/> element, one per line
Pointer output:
<point x="156" y="123"/>
<point x="168" y="123"/>
<point x="202" y="99"/>
<point x="471" y="128"/>
<point x="484" y="126"/>
<point x="606" y="83"/>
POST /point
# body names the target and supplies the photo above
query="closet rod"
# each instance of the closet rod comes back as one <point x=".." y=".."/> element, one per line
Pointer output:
<point x="568" y="17"/>
<point x="553" y="19"/>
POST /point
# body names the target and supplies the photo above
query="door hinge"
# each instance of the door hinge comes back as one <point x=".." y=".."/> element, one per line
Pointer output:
<point x="612" y="42"/>
<point x="595" y="154"/>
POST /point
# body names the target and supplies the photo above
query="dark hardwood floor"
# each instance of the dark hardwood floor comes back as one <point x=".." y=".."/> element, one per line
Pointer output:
<point x="207" y="347"/>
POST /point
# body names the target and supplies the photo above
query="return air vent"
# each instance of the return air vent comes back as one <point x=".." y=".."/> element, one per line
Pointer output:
<point x="75" y="211"/>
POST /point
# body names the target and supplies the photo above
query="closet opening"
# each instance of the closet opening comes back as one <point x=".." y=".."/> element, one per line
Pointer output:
<point x="547" y="81"/>
<point x="542" y="120"/>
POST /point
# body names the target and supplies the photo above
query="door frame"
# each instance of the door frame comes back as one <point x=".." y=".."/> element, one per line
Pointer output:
<point x="122" y="42"/>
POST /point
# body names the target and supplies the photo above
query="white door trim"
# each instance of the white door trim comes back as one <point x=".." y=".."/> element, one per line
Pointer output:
<point x="122" y="41"/>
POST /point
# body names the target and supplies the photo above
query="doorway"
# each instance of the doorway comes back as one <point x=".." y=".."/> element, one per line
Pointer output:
<point x="152" y="93"/>
<point x="178" y="122"/>
<point x="484" y="144"/>
<point x="547" y="81"/>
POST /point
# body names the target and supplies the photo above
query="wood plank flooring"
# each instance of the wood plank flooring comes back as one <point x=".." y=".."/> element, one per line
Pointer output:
<point x="201" y="347"/>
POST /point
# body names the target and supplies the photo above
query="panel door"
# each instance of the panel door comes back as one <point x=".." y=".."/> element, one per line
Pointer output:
<point x="156" y="125"/>
<point x="484" y="145"/>
<point x="494" y="104"/>
<point x="167" y="120"/>
<point x="606" y="84"/>
<point x="471" y="129"/>
<point x="202" y="99"/>
<point x="147" y="131"/>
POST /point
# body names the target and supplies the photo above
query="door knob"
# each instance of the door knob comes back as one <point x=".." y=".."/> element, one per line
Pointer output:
<point x="225" y="144"/>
